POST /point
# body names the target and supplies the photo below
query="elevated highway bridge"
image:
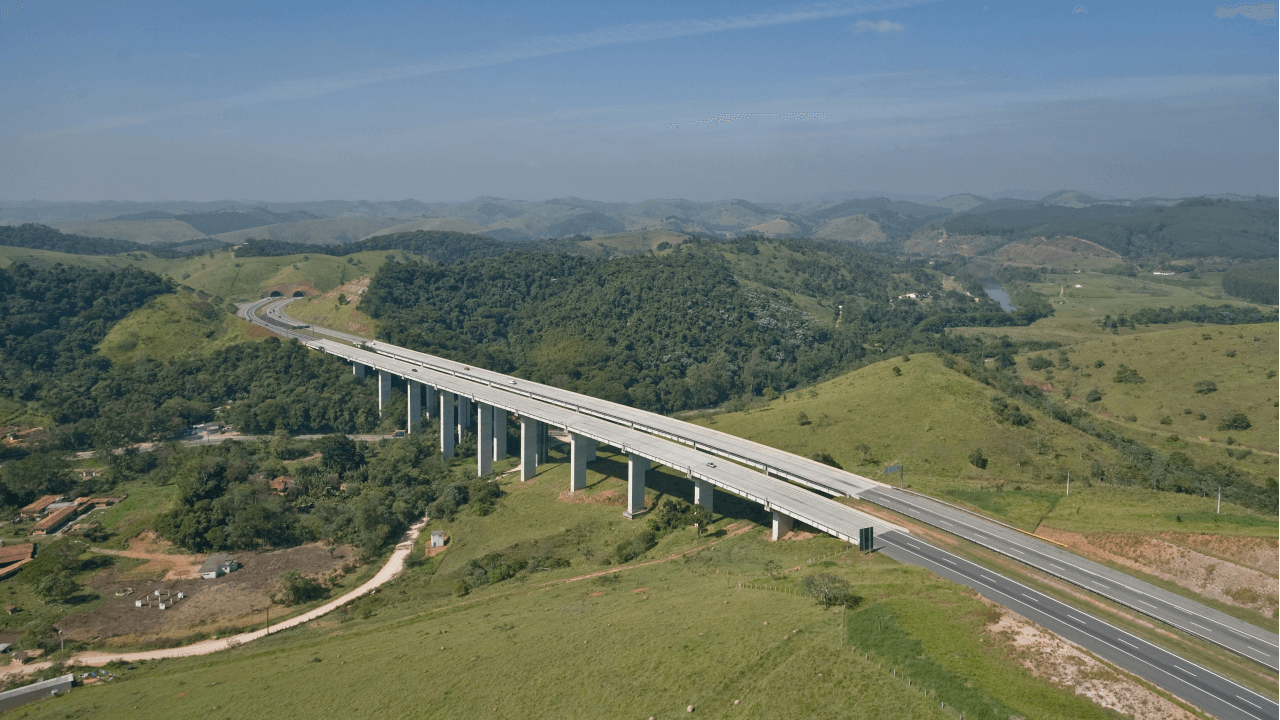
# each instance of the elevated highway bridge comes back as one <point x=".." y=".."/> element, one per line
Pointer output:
<point x="466" y="398"/>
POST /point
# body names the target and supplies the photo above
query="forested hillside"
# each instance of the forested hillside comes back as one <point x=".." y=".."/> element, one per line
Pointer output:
<point x="1193" y="228"/>
<point x="42" y="237"/>
<point x="1256" y="281"/>
<point x="668" y="332"/>
<point x="51" y="318"/>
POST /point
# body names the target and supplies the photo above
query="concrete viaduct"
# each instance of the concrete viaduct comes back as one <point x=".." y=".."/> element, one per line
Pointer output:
<point x="467" y="399"/>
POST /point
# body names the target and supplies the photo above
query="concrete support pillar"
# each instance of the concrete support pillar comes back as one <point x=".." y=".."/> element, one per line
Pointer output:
<point x="464" y="415"/>
<point x="357" y="369"/>
<point x="415" y="406"/>
<point x="544" y="442"/>
<point x="578" y="452"/>
<point x="484" y="439"/>
<point x="636" y="468"/>
<point x="590" y="452"/>
<point x="528" y="448"/>
<point x="384" y="389"/>
<point x="499" y="434"/>
<point x="781" y="525"/>
<point x="431" y="408"/>
<point x="704" y="494"/>
<point x="446" y="424"/>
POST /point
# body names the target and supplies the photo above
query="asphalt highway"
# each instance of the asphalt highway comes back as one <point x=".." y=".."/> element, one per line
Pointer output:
<point x="1207" y="690"/>
<point x="1237" y="636"/>
<point x="1187" y="615"/>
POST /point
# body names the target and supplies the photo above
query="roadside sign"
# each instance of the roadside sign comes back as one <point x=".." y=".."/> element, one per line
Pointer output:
<point x="892" y="469"/>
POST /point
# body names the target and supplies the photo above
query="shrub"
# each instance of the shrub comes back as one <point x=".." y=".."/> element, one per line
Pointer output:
<point x="1166" y="420"/>
<point x="830" y="590"/>
<point x="298" y="588"/>
<point x="977" y="459"/>
<point x="1098" y="363"/>
<point x="1234" y="421"/>
<point x="1204" y="387"/>
<point x="1093" y="395"/>
<point x="897" y="371"/>
<point x="802" y="418"/>
<point x="1126" y="374"/>
<point x="1039" y="363"/>
<point x="1231" y="353"/>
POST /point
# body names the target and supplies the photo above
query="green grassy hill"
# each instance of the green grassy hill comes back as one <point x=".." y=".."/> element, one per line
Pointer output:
<point x="1240" y="361"/>
<point x="928" y="418"/>
<point x="174" y="325"/>
<point x="663" y="634"/>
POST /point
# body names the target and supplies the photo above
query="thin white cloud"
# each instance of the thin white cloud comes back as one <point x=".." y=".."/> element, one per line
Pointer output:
<point x="881" y="26"/>
<point x="1264" y="13"/>
<point x="533" y="48"/>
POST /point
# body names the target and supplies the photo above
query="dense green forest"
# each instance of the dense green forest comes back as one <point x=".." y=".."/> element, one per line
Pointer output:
<point x="1256" y="281"/>
<point x="1192" y="228"/>
<point x="357" y="493"/>
<point x="43" y="237"/>
<point x="667" y="332"/>
<point x="51" y="318"/>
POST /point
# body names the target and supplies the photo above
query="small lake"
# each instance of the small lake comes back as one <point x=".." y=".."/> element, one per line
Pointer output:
<point x="996" y="292"/>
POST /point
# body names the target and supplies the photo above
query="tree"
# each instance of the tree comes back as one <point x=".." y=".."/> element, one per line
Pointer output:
<point x="1093" y="395"/>
<point x="57" y="586"/>
<point x="802" y="418"/>
<point x="340" y="453"/>
<point x="1126" y="374"/>
<point x="862" y="449"/>
<point x="977" y="459"/>
<point x="830" y="590"/>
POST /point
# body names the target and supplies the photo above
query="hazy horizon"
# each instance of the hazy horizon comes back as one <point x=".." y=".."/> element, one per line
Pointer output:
<point x="768" y="102"/>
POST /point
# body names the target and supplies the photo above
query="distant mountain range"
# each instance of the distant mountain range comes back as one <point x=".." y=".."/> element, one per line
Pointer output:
<point x="964" y="223"/>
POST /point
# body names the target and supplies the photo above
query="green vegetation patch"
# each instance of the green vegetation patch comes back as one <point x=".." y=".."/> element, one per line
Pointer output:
<point x="875" y="629"/>
<point x="1025" y="508"/>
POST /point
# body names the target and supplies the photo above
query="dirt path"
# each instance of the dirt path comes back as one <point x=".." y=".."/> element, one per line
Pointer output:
<point x="176" y="567"/>
<point x="388" y="572"/>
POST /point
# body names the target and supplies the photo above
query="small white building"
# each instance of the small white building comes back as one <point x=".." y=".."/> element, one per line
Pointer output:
<point x="218" y="565"/>
<point x="437" y="538"/>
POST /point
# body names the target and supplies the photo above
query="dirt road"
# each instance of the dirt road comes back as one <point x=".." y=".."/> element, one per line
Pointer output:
<point x="388" y="572"/>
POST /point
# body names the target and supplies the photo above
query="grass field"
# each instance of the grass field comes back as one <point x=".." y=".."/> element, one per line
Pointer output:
<point x="928" y="418"/>
<point x="1076" y="310"/>
<point x="1240" y="360"/>
<point x="648" y="640"/>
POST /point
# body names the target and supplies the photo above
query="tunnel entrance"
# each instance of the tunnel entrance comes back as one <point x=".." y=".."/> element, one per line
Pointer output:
<point x="298" y="293"/>
<point x="275" y="293"/>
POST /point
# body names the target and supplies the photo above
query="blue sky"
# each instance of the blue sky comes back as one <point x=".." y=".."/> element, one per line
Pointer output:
<point x="536" y="100"/>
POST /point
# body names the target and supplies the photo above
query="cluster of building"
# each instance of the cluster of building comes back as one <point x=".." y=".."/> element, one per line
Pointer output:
<point x="51" y="512"/>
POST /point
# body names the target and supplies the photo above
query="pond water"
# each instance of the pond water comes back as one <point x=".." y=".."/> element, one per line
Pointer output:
<point x="996" y="292"/>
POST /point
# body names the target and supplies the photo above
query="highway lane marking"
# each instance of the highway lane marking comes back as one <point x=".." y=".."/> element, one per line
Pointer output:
<point x="927" y="511"/>
<point x="1030" y="598"/>
<point x="1252" y="703"/>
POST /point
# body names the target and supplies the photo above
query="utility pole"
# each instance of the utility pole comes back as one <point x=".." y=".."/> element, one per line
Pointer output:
<point x="1219" y="499"/>
<point x="1068" y="482"/>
